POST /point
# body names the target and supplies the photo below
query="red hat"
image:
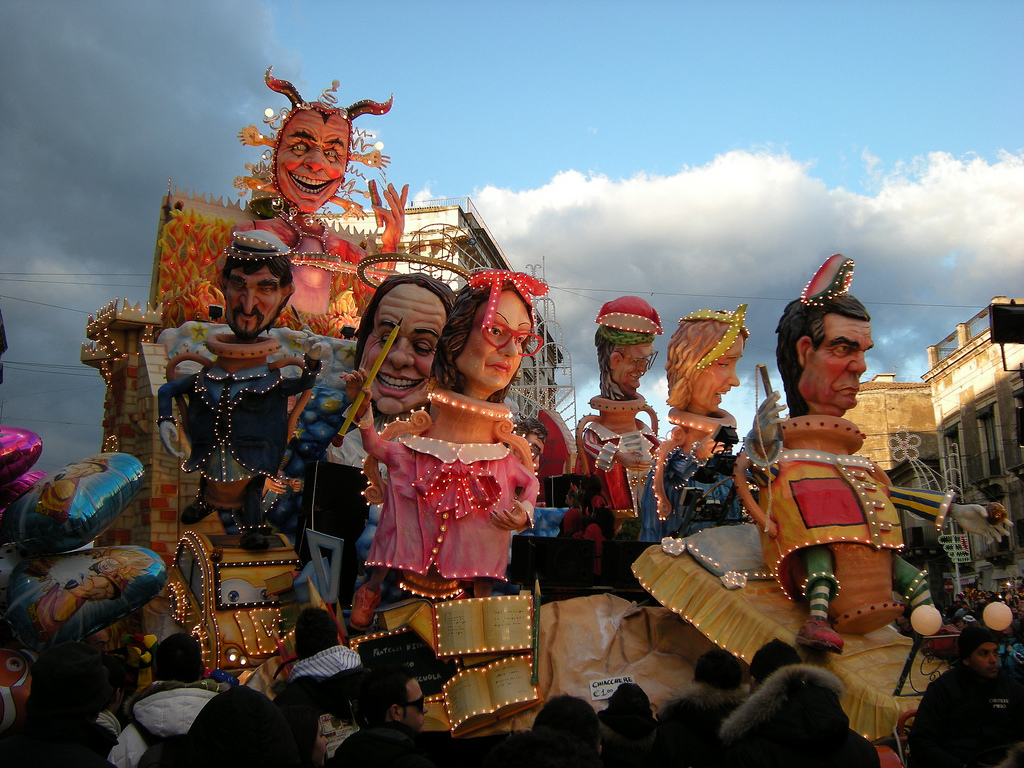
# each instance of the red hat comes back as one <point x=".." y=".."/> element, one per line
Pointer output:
<point x="630" y="313"/>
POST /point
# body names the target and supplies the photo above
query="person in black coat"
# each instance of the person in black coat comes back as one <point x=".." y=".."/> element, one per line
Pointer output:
<point x="973" y="713"/>
<point x="793" y="718"/>
<point x="240" y="728"/>
<point x="327" y="674"/>
<point x="390" y="713"/>
<point x="627" y="728"/>
<point x="688" y="725"/>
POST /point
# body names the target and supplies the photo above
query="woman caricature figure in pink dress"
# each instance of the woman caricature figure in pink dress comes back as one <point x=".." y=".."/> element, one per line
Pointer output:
<point x="459" y="480"/>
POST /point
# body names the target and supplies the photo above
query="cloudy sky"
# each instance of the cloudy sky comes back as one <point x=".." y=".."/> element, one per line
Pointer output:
<point x="697" y="154"/>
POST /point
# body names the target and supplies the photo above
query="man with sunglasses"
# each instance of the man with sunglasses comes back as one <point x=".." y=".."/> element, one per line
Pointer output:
<point x="615" y="445"/>
<point x="390" y="714"/>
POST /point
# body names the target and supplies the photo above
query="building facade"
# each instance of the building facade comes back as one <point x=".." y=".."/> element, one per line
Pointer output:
<point x="977" y="389"/>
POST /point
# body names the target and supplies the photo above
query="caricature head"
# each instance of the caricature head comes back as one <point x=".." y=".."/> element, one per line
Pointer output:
<point x="421" y="304"/>
<point x="477" y="355"/>
<point x="533" y="431"/>
<point x="312" y="149"/>
<point x="820" y="354"/>
<point x="625" y="345"/>
<point x="311" y="157"/>
<point x="256" y="280"/>
<point x="702" y="357"/>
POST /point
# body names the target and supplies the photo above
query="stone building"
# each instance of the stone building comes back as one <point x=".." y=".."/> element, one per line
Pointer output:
<point x="977" y="390"/>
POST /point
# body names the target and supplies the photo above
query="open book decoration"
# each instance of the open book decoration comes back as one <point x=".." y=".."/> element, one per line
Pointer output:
<point x="479" y="696"/>
<point x="484" y="625"/>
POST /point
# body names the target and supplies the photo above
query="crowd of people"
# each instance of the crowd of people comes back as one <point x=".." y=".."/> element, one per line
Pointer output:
<point x="788" y="713"/>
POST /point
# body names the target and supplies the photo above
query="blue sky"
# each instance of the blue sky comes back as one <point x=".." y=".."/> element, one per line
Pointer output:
<point x="490" y="93"/>
<point x="697" y="154"/>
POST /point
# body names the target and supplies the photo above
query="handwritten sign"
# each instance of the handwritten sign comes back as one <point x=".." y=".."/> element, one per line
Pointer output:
<point x="603" y="689"/>
<point x="405" y="648"/>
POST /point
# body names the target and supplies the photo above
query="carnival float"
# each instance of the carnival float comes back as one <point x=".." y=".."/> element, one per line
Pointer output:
<point x="312" y="409"/>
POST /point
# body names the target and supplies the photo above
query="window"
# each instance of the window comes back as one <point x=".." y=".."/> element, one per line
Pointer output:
<point x="991" y="464"/>
<point x="952" y="471"/>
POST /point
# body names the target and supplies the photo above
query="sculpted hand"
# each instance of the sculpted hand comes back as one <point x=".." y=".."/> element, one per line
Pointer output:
<point x="633" y="459"/>
<point x="762" y="442"/>
<point x="393" y="217"/>
<point x="768" y="418"/>
<point x="250" y="136"/>
<point x="974" y="518"/>
<point x="374" y="159"/>
<point x="515" y="519"/>
<point x="313" y="346"/>
<point x="169" y="437"/>
<point x="355" y="383"/>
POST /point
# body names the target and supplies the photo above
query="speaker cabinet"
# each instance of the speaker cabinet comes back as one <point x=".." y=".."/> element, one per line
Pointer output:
<point x="557" y="562"/>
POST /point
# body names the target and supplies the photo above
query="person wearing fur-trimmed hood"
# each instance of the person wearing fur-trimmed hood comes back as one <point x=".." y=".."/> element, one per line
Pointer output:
<point x="793" y="718"/>
<point x="688" y="725"/>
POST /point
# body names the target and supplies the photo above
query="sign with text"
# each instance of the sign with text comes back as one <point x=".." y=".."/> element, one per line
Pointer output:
<point x="603" y="689"/>
<point x="405" y="648"/>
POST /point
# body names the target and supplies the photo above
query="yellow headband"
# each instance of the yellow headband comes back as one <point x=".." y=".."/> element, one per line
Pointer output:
<point x="735" y="322"/>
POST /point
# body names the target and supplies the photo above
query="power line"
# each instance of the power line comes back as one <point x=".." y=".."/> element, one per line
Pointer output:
<point x="83" y="274"/>
<point x="76" y="282"/>
<point x="29" y="368"/>
<point x="576" y="289"/>
<point x="66" y="423"/>
<point x="44" y="304"/>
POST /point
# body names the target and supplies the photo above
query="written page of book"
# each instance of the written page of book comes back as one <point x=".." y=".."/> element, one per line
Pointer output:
<point x="484" y="625"/>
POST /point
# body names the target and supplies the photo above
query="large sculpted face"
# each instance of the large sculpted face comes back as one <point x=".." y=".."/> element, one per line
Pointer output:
<point x="253" y="302"/>
<point x="488" y="368"/>
<point x="311" y="158"/>
<point x="401" y="383"/>
<point x="628" y="365"/>
<point x="714" y="381"/>
<point x="831" y="373"/>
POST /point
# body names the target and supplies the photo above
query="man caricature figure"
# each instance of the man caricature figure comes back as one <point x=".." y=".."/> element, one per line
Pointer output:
<point x="238" y="404"/>
<point x="834" y="516"/>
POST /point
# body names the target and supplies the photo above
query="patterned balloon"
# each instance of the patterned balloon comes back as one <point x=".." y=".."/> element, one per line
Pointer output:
<point x="70" y="507"/>
<point x="19" y="450"/>
<point x="18" y="487"/>
<point x="15" y="683"/>
<point x="56" y="598"/>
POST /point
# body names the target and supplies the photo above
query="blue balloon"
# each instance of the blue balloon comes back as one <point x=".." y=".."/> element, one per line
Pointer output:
<point x="70" y="507"/>
<point x="55" y="598"/>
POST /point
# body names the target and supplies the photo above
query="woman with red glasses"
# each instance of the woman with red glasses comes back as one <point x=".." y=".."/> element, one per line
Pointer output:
<point x="460" y="481"/>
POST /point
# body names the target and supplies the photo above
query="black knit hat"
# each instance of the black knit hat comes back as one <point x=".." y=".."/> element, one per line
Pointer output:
<point x="971" y="637"/>
<point x="68" y="680"/>
<point x="240" y="728"/>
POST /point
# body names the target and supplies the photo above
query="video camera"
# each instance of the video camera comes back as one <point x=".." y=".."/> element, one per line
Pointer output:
<point x="721" y="463"/>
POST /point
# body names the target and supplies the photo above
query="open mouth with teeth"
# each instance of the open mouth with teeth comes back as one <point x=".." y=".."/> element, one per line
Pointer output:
<point x="311" y="186"/>
<point x="390" y="382"/>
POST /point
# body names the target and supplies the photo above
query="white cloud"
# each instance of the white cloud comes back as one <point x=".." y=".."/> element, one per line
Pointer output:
<point x="938" y="239"/>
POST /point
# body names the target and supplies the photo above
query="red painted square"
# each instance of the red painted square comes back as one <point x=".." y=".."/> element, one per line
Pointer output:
<point x="826" y="501"/>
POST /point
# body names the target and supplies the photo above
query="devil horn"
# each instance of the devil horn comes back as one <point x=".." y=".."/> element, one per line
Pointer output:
<point x="283" y="86"/>
<point x="372" y="107"/>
